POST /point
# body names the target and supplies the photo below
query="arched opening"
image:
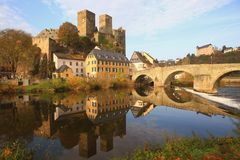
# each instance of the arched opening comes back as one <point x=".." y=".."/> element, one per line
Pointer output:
<point x="143" y="81"/>
<point x="228" y="80"/>
<point x="144" y="85"/>
<point x="179" y="78"/>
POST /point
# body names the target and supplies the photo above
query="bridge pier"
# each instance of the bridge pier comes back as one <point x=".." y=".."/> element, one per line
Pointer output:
<point x="203" y="83"/>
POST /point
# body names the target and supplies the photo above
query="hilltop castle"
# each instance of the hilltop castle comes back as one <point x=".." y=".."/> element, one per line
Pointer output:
<point x="106" y="37"/>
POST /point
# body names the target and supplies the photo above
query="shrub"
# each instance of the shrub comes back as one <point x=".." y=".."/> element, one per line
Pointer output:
<point x="15" y="150"/>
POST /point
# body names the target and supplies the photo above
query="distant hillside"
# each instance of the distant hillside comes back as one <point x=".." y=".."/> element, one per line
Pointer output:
<point x="218" y="57"/>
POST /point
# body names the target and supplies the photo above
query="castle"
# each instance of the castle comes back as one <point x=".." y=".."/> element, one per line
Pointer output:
<point x="106" y="37"/>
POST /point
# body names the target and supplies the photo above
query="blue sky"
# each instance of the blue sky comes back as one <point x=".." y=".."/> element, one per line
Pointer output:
<point x="166" y="29"/>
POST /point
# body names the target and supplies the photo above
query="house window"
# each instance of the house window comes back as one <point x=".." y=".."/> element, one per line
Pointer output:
<point x="76" y="63"/>
<point x="82" y="63"/>
<point x="113" y="63"/>
<point x="70" y="63"/>
<point x="77" y="70"/>
<point x="66" y="75"/>
<point x="81" y="70"/>
<point x="106" y="69"/>
<point x="64" y="62"/>
<point x="94" y="69"/>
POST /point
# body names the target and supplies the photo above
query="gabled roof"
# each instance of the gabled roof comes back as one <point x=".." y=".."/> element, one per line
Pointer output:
<point x="138" y="57"/>
<point x="69" y="56"/>
<point x="108" y="56"/>
<point x="205" y="46"/>
<point x="62" y="68"/>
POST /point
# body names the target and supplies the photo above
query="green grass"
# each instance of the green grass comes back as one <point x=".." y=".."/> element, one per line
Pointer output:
<point x="192" y="148"/>
<point x="60" y="86"/>
<point x="56" y="85"/>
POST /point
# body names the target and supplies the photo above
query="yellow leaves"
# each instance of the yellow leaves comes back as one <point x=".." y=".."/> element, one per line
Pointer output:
<point x="7" y="152"/>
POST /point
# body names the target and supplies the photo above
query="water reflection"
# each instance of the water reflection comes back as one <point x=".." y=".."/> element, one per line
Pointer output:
<point x="94" y="124"/>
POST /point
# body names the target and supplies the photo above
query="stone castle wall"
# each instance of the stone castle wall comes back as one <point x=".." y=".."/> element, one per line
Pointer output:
<point x="105" y="24"/>
<point x="86" y="23"/>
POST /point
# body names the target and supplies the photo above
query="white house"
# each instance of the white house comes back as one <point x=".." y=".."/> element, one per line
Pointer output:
<point x="74" y="61"/>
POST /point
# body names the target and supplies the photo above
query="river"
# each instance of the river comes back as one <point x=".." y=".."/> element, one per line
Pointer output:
<point x="106" y="124"/>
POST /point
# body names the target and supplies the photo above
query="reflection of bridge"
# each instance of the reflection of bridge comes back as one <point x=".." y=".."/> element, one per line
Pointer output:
<point x="162" y="97"/>
<point x="205" y="76"/>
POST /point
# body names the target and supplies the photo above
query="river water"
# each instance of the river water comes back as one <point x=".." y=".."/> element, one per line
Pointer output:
<point x="106" y="124"/>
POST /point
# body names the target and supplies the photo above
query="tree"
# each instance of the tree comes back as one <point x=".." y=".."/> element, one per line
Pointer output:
<point x="15" y="48"/>
<point x="43" y="70"/>
<point x="86" y="45"/>
<point x="68" y="36"/>
<point x="36" y="60"/>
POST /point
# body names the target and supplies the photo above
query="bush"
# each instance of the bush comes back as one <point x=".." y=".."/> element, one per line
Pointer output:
<point x="15" y="150"/>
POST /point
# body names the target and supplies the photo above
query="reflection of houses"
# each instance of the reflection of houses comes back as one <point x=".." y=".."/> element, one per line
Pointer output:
<point x="71" y="104"/>
<point x="140" y="108"/>
<point x="103" y="107"/>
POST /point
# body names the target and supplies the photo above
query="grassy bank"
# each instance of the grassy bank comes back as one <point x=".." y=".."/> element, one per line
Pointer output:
<point x="192" y="148"/>
<point x="60" y="85"/>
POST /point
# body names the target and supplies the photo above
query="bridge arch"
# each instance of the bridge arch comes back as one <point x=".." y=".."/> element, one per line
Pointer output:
<point x="216" y="81"/>
<point x="144" y="80"/>
<point x="181" y="74"/>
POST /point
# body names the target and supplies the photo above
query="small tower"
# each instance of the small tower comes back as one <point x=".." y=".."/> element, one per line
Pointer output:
<point x="86" y="23"/>
<point x="120" y="39"/>
<point x="105" y="24"/>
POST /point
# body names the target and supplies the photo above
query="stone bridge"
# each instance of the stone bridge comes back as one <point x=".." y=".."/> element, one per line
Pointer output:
<point x="205" y="76"/>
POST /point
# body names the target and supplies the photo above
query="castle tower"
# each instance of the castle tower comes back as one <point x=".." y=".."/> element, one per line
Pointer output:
<point x="120" y="40"/>
<point x="105" y="24"/>
<point x="86" y="23"/>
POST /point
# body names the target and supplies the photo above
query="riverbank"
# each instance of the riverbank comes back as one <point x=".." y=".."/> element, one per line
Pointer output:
<point x="60" y="85"/>
<point x="193" y="148"/>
